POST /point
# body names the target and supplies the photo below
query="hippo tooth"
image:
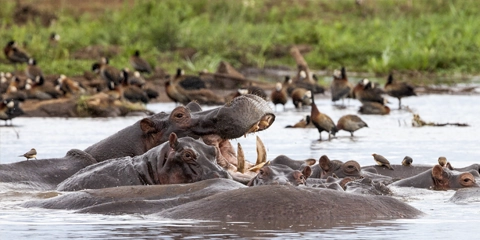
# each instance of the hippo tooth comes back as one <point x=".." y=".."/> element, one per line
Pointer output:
<point x="261" y="152"/>
<point x="240" y="159"/>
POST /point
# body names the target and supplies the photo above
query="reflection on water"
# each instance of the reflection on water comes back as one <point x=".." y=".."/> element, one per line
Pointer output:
<point x="391" y="136"/>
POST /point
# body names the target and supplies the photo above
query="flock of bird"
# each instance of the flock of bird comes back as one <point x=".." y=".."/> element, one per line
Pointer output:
<point x="370" y="94"/>
<point x="31" y="83"/>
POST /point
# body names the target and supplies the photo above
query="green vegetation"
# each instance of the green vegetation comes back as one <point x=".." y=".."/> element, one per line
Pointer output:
<point x="438" y="37"/>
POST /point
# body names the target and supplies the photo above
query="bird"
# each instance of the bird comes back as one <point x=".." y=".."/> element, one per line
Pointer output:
<point x="140" y="64"/>
<point x="9" y="109"/>
<point x="174" y="92"/>
<point x="382" y="161"/>
<point x="54" y="39"/>
<point x="340" y="87"/>
<point x="110" y="74"/>
<point x="279" y="95"/>
<point x="350" y="123"/>
<point x="13" y="91"/>
<point x="322" y="121"/>
<point x="34" y="72"/>
<point x="189" y="82"/>
<point x="14" y="54"/>
<point x="301" y="97"/>
<point x="30" y="154"/>
<point x="303" y="123"/>
<point x="367" y="91"/>
<point x="68" y="86"/>
<point x="407" y="161"/>
<point x="442" y="161"/>
<point x="398" y="90"/>
<point x="374" y="108"/>
<point x="133" y="93"/>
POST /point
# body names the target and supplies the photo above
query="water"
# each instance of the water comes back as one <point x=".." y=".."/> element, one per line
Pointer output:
<point x="391" y="136"/>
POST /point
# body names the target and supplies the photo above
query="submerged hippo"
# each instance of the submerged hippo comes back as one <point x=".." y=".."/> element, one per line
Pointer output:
<point x="244" y="114"/>
<point x="400" y="172"/>
<point x="224" y="199"/>
<point x="327" y="167"/>
<point x="279" y="174"/>
<point x="180" y="160"/>
<point x="439" y="178"/>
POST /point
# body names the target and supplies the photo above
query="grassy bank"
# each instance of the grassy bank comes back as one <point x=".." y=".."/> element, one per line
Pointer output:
<point x="437" y="36"/>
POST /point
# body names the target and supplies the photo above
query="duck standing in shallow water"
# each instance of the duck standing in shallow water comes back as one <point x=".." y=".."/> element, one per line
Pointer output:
<point x="279" y="95"/>
<point x="322" y="121"/>
<point x="398" y="90"/>
<point x="350" y="123"/>
<point x="340" y="87"/>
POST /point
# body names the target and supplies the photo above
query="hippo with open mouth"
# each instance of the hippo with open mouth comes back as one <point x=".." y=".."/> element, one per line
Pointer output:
<point x="243" y="115"/>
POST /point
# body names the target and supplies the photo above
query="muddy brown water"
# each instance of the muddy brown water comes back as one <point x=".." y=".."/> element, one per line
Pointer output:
<point x="391" y="135"/>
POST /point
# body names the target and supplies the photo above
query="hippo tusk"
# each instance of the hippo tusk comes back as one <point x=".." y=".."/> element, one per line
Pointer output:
<point x="240" y="159"/>
<point x="261" y="152"/>
<point x="258" y="166"/>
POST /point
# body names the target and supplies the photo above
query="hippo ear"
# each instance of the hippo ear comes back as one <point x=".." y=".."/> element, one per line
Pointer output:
<point x="324" y="163"/>
<point x="307" y="171"/>
<point x="310" y="161"/>
<point x="173" y="140"/>
<point x="437" y="172"/>
<point x="148" y="126"/>
<point x="194" y="107"/>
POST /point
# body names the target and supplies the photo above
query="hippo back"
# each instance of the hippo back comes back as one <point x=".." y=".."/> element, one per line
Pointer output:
<point x="45" y="173"/>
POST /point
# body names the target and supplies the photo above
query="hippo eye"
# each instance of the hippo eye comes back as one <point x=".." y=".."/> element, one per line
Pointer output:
<point x="261" y="172"/>
<point x="189" y="156"/>
<point x="179" y="115"/>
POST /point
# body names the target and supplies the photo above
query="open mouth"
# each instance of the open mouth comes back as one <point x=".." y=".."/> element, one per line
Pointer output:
<point x="234" y="161"/>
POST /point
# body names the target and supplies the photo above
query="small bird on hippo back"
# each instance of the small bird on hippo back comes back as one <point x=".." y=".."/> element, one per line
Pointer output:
<point x="30" y="154"/>
<point x="382" y="161"/>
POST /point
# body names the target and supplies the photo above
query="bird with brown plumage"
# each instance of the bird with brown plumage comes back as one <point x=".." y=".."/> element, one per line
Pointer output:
<point x="303" y="123"/>
<point x="279" y="95"/>
<point x="140" y="64"/>
<point x="9" y="109"/>
<point x="340" y="87"/>
<point x="374" y="108"/>
<point x="367" y="91"/>
<point x="398" y="90"/>
<point x="301" y="97"/>
<point x="350" y="123"/>
<point x="14" y="54"/>
<point x="322" y="121"/>
<point x="382" y="161"/>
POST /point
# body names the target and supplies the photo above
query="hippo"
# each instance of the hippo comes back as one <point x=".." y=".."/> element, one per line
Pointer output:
<point x="243" y="115"/>
<point x="439" y="178"/>
<point x="294" y="164"/>
<point x="327" y="167"/>
<point x="38" y="173"/>
<point x="227" y="200"/>
<point x="466" y="195"/>
<point x="279" y="174"/>
<point x="180" y="160"/>
<point x="400" y="172"/>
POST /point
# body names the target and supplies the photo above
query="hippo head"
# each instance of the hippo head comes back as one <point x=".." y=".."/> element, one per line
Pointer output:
<point x="330" y="167"/>
<point x="188" y="160"/>
<point x="278" y="174"/>
<point x="243" y="115"/>
<point x="444" y="179"/>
